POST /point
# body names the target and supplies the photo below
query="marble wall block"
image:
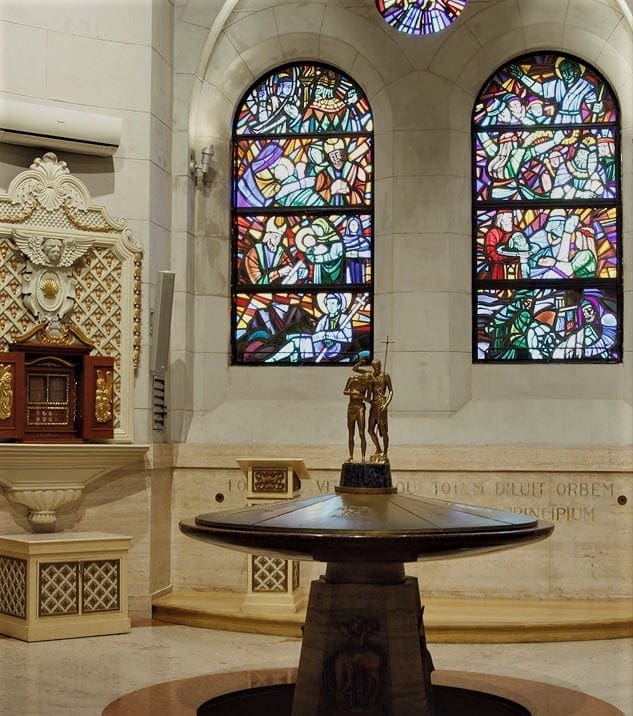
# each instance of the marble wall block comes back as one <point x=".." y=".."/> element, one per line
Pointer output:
<point x="23" y="59"/>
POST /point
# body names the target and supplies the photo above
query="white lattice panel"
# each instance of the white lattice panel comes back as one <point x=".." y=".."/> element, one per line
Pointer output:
<point x="58" y="588"/>
<point x="270" y="574"/>
<point x="13" y="587"/>
<point x="101" y="587"/>
<point x="98" y="308"/>
<point x="14" y="319"/>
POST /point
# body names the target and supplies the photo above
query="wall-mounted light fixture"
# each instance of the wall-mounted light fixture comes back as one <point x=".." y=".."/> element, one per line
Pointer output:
<point x="201" y="173"/>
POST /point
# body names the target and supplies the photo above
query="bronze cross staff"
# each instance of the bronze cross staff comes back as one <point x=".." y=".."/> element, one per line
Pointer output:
<point x="387" y="343"/>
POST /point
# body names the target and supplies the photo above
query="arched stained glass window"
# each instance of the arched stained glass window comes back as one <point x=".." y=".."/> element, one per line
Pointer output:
<point x="547" y="279"/>
<point x="302" y="220"/>
<point x="420" y="17"/>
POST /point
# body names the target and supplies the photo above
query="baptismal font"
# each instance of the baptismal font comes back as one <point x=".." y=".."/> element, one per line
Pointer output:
<point x="364" y="649"/>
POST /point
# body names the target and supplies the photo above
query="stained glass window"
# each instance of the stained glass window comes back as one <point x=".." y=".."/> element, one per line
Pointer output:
<point x="302" y="220"/>
<point x="420" y="17"/>
<point x="547" y="279"/>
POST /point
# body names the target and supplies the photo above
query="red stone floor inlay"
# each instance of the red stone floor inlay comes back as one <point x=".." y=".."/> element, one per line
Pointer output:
<point x="182" y="697"/>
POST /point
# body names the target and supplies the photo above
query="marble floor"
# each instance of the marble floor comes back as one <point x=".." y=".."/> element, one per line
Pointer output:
<point x="80" y="677"/>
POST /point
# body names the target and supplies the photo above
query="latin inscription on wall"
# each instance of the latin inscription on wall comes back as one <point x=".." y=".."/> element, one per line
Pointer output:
<point x="561" y="499"/>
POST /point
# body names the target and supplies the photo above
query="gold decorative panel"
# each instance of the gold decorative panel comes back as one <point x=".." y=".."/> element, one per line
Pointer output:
<point x="13" y="587"/>
<point x="266" y="479"/>
<point x="101" y="586"/>
<point x="58" y="588"/>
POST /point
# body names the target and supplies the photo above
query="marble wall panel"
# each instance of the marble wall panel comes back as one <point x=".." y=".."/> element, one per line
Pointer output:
<point x="183" y="205"/>
<point x="585" y="382"/>
<point x="136" y="136"/>
<point x="616" y="61"/>
<point x="182" y="325"/>
<point x="459" y="325"/>
<point x="181" y="380"/>
<point x="543" y="12"/>
<point x="384" y="262"/>
<point x="188" y="43"/>
<point x="163" y="28"/>
<point x="252" y="29"/>
<point x="419" y="153"/>
<point x="160" y="530"/>
<point x="89" y="81"/>
<point x="584" y="43"/>
<point x="460" y="367"/>
<point x="294" y="17"/>
<point x="374" y="41"/>
<point x="120" y="184"/>
<point x="181" y="247"/>
<point x="544" y="34"/>
<point x="210" y="380"/>
<point x="494" y="22"/>
<point x="423" y="261"/>
<point x="212" y="325"/>
<point x="133" y="26"/>
<point x="421" y="320"/>
<point x="420" y="201"/>
<point x="424" y="108"/>
<point x="212" y="267"/>
<point x="198" y="12"/>
<point x="336" y="52"/>
<point x="159" y="258"/>
<point x="159" y="195"/>
<point x="183" y="90"/>
<point x="23" y="59"/>
<point x="83" y="20"/>
<point x="194" y="563"/>
<point x="427" y="379"/>
<point x="225" y="61"/>
<point x="460" y="261"/>
<point x="451" y="56"/>
<point x="383" y="155"/>
<point x="160" y="144"/>
<point x="215" y="116"/>
<point x="180" y="153"/>
<point x="161" y="87"/>
<point x="581" y="14"/>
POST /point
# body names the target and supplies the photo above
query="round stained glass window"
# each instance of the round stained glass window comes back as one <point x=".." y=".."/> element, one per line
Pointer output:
<point x="420" y="17"/>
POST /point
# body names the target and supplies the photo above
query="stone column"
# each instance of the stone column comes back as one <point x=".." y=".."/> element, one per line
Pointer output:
<point x="363" y="645"/>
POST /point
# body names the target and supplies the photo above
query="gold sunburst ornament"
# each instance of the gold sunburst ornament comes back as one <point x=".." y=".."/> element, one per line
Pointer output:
<point x="50" y="288"/>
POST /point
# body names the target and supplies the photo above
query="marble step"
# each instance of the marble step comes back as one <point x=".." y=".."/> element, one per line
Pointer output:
<point x="447" y="620"/>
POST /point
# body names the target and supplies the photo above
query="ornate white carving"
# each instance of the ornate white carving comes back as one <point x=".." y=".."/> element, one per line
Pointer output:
<point x="63" y="258"/>
<point x="48" y="284"/>
<point x="43" y="503"/>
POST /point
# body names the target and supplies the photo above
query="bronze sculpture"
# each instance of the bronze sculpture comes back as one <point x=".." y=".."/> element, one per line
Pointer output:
<point x="381" y="395"/>
<point x="358" y="388"/>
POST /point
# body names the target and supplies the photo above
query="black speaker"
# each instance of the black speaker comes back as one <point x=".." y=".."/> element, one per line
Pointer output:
<point x="161" y="326"/>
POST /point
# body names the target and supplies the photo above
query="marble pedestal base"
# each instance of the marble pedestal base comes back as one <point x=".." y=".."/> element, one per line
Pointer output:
<point x="56" y="586"/>
<point x="363" y="645"/>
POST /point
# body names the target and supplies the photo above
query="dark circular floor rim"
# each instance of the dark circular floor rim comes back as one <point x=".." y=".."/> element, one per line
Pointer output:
<point x="276" y="700"/>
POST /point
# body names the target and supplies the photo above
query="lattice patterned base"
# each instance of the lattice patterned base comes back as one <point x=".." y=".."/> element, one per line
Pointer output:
<point x="56" y="586"/>
<point x="273" y="585"/>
